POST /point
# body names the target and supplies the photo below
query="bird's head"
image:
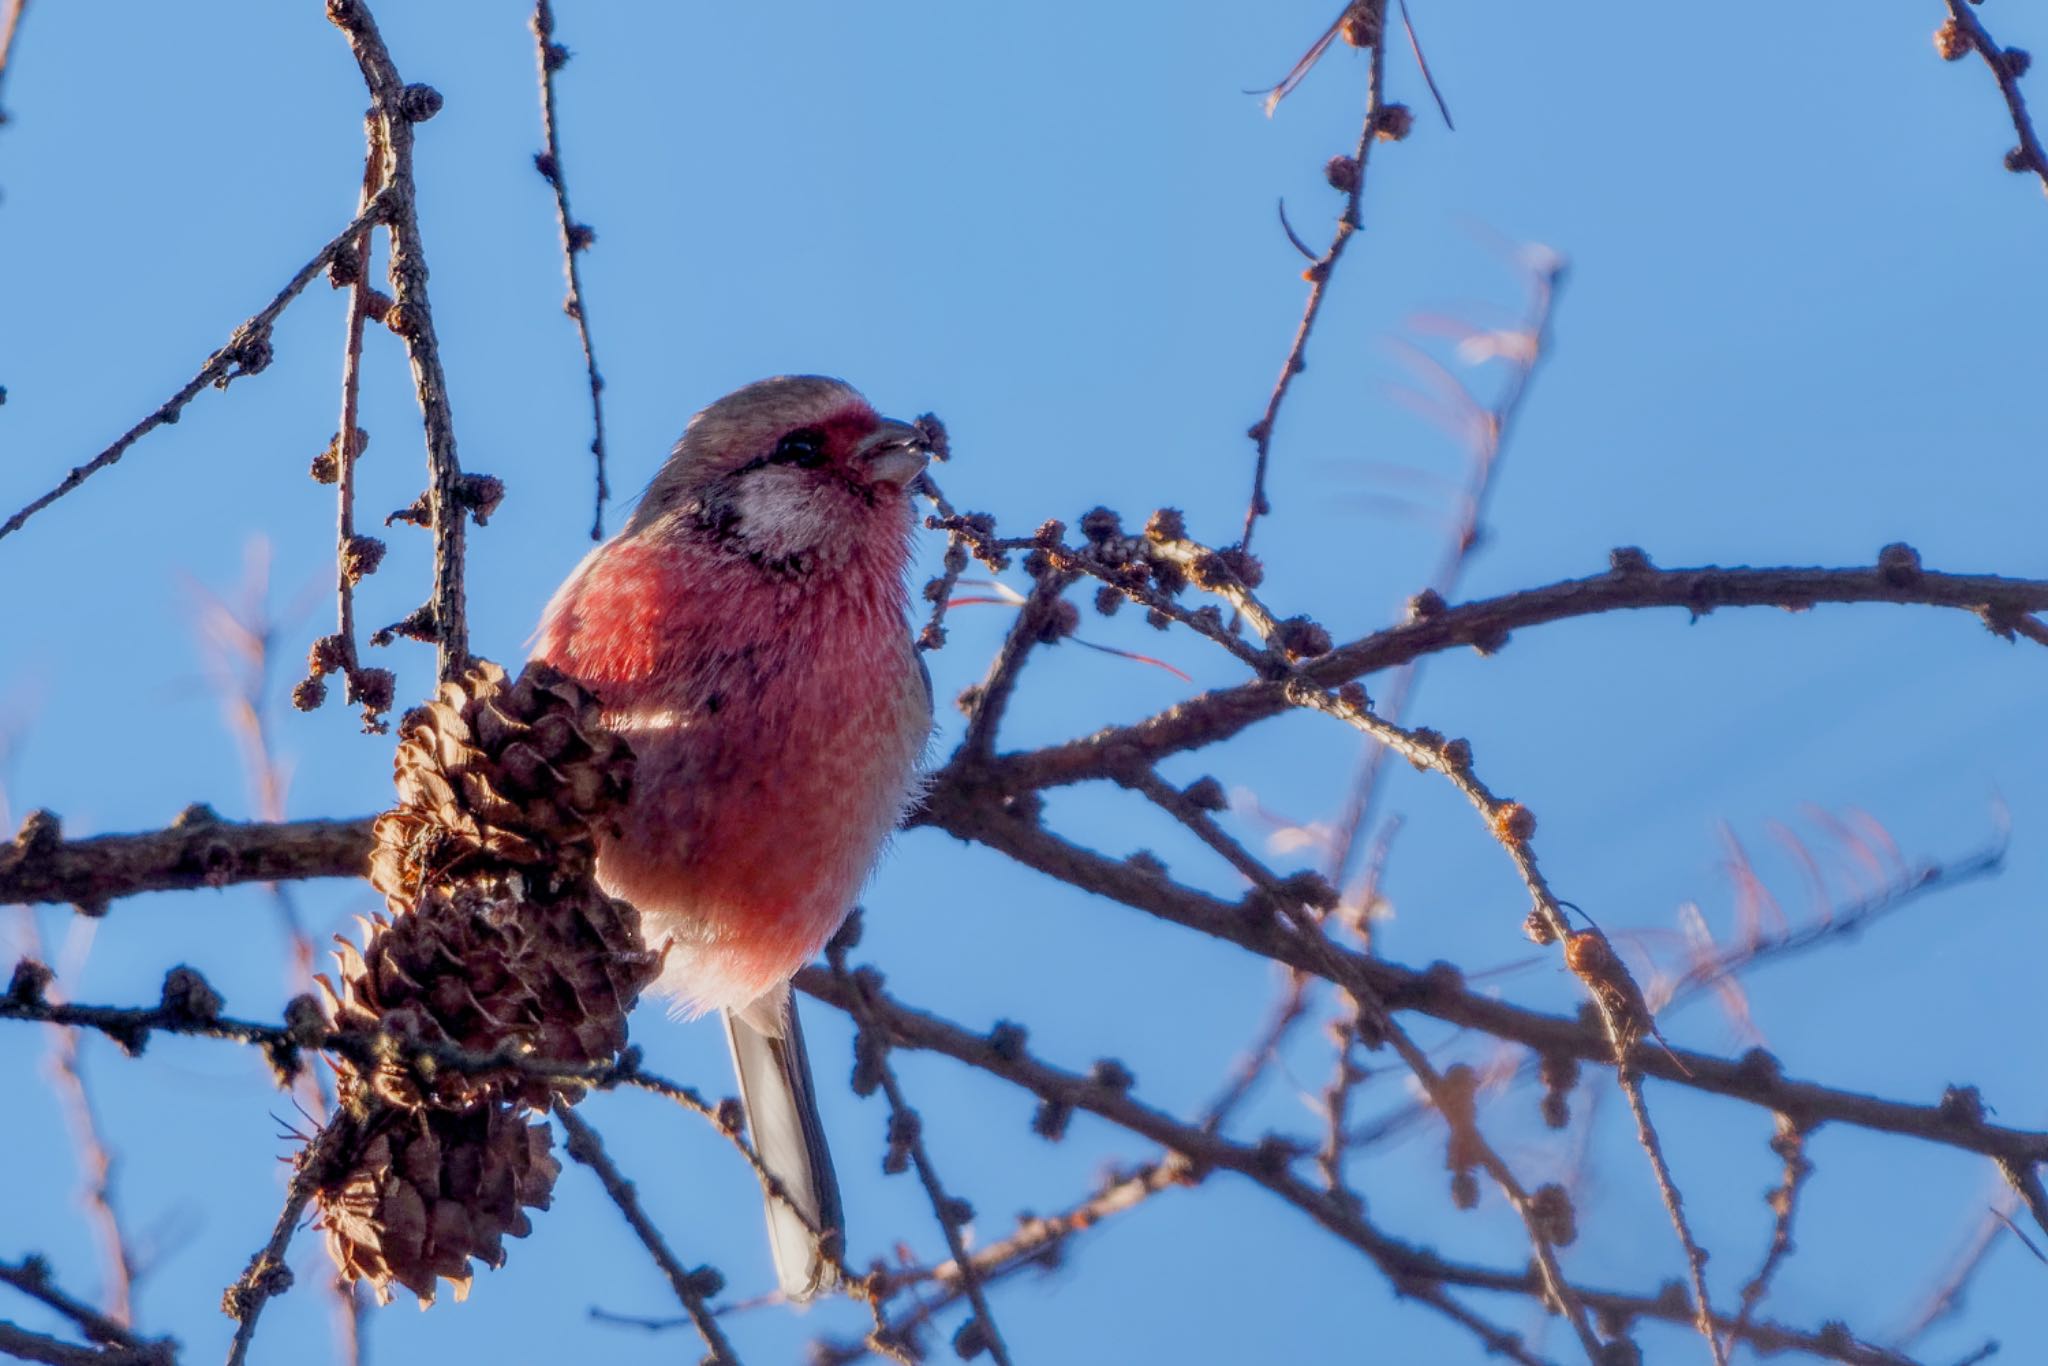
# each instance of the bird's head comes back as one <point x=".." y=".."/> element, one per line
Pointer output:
<point x="796" y="473"/>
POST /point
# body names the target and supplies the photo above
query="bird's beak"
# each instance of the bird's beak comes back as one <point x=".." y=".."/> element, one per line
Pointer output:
<point x="894" y="454"/>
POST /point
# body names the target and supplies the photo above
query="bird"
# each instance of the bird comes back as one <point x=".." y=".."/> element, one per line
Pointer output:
<point x="747" y="633"/>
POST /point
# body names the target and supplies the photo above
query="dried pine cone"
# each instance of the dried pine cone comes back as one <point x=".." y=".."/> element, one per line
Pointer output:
<point x="433" y="1189"/>
<point x="494" y="777"/>
<point x="497" y="936"/>
<point x="496" y="940"/>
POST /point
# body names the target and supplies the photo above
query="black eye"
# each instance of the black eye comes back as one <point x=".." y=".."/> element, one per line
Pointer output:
<point x="804" y="448"/>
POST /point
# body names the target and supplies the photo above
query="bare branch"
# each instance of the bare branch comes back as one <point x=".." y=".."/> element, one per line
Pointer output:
<point x="693" y="1288"/>
<point x="2007" y="66"/>
<point x="397" y="107"/>
<point x="1346" y="174"/>
<point x="576" y="237"/>
<point x="246" y="353"/>
<point x="31" y="1276"/>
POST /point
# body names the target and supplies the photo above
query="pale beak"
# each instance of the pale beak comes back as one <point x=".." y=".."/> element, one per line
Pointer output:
<point x="895" y="454"/>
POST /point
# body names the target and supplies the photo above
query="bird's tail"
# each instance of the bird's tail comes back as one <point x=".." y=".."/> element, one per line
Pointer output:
<point x="782" y="1114"/>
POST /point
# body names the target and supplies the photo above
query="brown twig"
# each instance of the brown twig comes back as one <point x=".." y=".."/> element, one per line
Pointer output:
<point x="246" y="353"/>
<point x="906" y="1143"/>
<point x="1487" y="623"/>
<point x="1039" y="1242"/>
<point x="96" y="1161"/>
<point x="1319" y="271"/>
<point x="397" y="107"/>
<point x="1417" y="1271"/>
<point x="267" y="1274"/>
<point x="311" y="848"/>
<point x="242" y="643"/>
<point x="10" y="26"/>
<point x="373" y="690"/>
<point x="1492" y="426"/>
<point x="1947" y="1294"/>
<point x="1652" y="1144"/>
<point x="198" y="850"/>
<point x="117" y="1342"/>
<point x="22" y="1345"/>
<point x="1790" y="1144"/>
<point x="693" y="1288"/>
<point x="576" y="237"/>
<point x="2007" y="66"/>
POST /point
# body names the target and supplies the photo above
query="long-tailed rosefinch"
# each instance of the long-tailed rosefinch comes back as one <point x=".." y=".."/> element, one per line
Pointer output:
<point x="746" y="634"/>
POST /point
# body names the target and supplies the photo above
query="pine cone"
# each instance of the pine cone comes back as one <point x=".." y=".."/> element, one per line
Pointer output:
<point x="482" y="968"/>
<point x="497" y="936"/>
<point x="494" y="777"/>
<point x="433" y="1189"/>
<point x="496" y="940"/>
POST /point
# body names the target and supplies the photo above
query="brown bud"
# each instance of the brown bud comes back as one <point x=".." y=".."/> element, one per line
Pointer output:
<point x="1628" y="559"/>
<point x="187" y="997"/>
<point x="373" y="688"/>
<point x="932" y="433"/>
<point x="327" y="655"/>
<point x="1342" y="173"/>
<point x="1951" y="42"/>
<point x="2017" y="61"/>
<point x="1552" y="1215"/>
<point x="418" y="103"/>
<point x="1100" y="524"/>
<point x="308" y="694"/>
<point x="1361" y="24"/>
<point x="1061" y="621"/>
<point x="481" y="494"/>
<point x="1303" y="638"/>
<point x="1513" y="823"/>
<point x="1898" y="564"/>
<point x="1166" y="524"/>
<point x="1394" y="122"/>
<point x="1250" y="570"/>
<point x="360" y="558"/>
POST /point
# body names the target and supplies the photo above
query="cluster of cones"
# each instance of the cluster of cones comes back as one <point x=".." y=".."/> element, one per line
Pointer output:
<point x="497" y="943"/>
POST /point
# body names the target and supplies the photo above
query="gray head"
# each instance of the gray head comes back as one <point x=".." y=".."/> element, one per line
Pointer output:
<point x="791" y="471"/>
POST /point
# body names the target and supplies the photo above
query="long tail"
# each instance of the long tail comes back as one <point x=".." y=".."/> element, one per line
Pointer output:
<point x="782" y="1113"/>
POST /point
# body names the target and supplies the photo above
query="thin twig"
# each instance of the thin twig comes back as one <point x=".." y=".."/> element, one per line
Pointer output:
<point x="397" y="107"/>
<point x="906" y="1135"/>
<point x="576" y="237"/>
<point x="1417" y="1270"/>
<point x="692" y="1288"/>
<point x="348" y="446"/>
<point x="267" y="1274"/>
<point x="2006" y="69"/>
<point x="1790" y="1145"/>
<point x="1039" y="1242"/>
<point x="97" y="1166"/>
<point x="31" y="1276"/>
<point x="1631" y="1084"/>
<point x="1318" y="274"/>
<point x="246" y="353"/>
<point x="1751" y="1078"/>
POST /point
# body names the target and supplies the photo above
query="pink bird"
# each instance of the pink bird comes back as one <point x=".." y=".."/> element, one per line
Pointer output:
<point x="746" y="633"/>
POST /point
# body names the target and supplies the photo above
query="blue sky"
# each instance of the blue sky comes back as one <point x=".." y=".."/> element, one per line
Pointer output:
<point x="1805" y="317"/>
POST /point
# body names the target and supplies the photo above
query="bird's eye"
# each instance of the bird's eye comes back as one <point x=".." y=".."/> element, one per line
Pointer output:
<point x="804" y="448"/>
